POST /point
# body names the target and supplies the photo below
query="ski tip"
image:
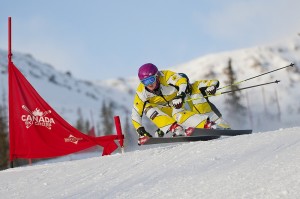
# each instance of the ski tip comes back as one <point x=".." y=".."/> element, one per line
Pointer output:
<point x="189" y="131"/>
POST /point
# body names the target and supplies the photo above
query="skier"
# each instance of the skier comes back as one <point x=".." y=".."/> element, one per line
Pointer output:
<point x="198" y="93"/>
<point x="160" y="95"/>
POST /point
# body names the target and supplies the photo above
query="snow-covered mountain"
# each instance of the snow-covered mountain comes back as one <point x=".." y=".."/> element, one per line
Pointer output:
<point x="262" y="165"/>
<point x="268" y="107"/>
<point x="65" y="93"/>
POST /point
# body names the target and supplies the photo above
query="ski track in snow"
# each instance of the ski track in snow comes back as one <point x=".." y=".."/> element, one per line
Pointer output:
<point x="260" y="165"/>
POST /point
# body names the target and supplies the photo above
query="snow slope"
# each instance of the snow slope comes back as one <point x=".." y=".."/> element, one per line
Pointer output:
<point x="267" y="107"/>
<point x="260" y="165"/>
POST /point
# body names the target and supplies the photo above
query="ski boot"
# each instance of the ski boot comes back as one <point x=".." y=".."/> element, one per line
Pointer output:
<point x="210" y="124"/>
<point x="178" y="130"/>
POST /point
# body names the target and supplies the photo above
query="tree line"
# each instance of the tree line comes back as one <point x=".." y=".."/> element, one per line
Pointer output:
<point x="106" y="125"/>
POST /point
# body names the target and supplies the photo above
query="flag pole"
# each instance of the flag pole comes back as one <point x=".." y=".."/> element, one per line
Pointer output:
<point x="9" y="54"/>
<point x="119" y="132"/>
<point x="9" y="40"/>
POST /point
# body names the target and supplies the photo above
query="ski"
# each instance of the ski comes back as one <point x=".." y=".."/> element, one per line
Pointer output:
<point x="157" y="140"/>
<point x="198" y="135"/>
<point x="219" y="132"/>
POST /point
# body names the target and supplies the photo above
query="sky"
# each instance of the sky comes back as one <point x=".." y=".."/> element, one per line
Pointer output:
<point x="263" y="165"/>
<point x="99" y="40"/>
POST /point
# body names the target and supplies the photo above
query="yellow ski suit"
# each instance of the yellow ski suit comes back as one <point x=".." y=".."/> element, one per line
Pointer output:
<point x="157" y="104"/>
<point x="199" y="103"/>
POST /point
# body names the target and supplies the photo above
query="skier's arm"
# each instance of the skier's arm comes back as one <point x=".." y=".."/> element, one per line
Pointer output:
<point x="181" y="84"/>
<point x="137" y="113"/>
<point x="176" y="80"/>
<point x="207" y="83"/>
<point x="138" y="107"/>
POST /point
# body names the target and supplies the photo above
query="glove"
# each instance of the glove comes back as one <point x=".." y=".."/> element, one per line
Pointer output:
<point x="160" y="133"/>
<point x="142" y="132"/>
<point x="177" y="102"/>
<point x="211" y="90"/>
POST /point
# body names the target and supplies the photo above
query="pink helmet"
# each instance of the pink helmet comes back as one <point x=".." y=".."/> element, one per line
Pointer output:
<point x="147" y="70"/>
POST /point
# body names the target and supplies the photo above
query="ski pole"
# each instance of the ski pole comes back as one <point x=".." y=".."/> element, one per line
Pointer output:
<point x="230" y="91"/>
<point x="235" y="83"/>
<point x="276" y="81"/>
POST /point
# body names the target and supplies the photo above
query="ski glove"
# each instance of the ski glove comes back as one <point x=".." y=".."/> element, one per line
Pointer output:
<point x="159" y="133"/>
<point x="211" y="90"/>
<point x="178" y="101"/>
<point x="142" y="132"/>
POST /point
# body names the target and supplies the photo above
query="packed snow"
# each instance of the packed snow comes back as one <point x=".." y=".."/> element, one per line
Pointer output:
<point x="259" y="165"/>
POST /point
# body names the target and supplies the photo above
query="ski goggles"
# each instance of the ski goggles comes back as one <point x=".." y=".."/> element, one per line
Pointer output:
<point x="149" y="80"/>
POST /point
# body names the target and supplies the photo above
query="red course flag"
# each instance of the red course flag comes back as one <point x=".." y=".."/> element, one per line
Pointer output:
<point x="37" y="131"/>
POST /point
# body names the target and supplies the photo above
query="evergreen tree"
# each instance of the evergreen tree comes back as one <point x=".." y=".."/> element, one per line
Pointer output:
<point x="129" y="133"/>
<point x="80" y="121"/>
<point x="87" y="126"/>
<point x="107" y="118"/>
<point x="3" y="139"/>
<point x="98" y="127"/>
<point x="236" y="111"/>
<point x="127" y="126"/>
<point x="103" y="118"/>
